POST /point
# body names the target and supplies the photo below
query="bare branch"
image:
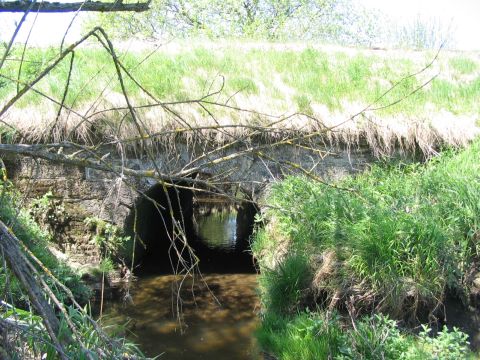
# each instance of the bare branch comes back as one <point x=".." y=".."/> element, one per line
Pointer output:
<point x="60" y="7"/>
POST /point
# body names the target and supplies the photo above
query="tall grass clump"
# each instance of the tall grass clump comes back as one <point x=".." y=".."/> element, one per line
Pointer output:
<point x="397" y="237"/>
<point x="284" y="285"/>
<point x="394" y="240"/>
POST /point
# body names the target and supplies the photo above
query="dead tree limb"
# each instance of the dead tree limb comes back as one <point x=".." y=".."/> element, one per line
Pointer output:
<point x="10" y="246"/>
<point x="61" y="7"/>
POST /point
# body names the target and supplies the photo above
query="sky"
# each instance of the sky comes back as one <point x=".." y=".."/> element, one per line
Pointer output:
<point x="463" y="17"/>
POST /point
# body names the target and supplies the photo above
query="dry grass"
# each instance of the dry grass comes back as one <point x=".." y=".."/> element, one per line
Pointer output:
<point x="319" y="93"/>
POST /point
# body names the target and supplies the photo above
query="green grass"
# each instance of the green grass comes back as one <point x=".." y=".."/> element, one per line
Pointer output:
<point x="316" y="336"/>
<point x="34" y="338"/>
<point x="295" y="77"/>
<point x="397" y="240"/>
<point x="463" y="66"/>
<point x="324" y="86"/>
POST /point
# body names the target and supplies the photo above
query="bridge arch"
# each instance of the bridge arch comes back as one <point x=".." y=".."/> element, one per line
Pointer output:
<point x="218" y="230"/>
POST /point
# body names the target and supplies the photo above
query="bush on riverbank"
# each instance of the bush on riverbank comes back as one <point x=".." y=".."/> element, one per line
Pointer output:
<point x="30" y="339"/>
<point x="394" y="240"/>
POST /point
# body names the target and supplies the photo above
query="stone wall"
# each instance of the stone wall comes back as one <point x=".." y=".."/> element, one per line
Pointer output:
<point x="86" y="192"/>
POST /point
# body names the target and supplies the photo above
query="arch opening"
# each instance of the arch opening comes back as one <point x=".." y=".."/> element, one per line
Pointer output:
<point x="216" y="229"/>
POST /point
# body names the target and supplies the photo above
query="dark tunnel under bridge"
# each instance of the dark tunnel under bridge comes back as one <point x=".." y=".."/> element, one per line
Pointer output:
<point x="217" y="229"/>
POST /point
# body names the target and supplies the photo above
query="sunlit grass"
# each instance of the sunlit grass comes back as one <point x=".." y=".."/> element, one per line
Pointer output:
<point x="394" y="240"/>
<point x="463" y="65"/>
<point x="325" y="85"/>
<point x="317" y="336"/>
<point x="295" y="77"/>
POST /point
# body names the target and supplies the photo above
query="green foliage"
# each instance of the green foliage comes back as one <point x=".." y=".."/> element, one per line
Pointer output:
<point x="305" y="78"/>
<point x="35" y="240"/>
<point x="285" y="286"/>
<point x="462" y="65"/>
<point x="400" y="234"/>
<point x="39" y="343"/>
<point x="50" y="214"/>
<point x="446" y="345"/>
<point x="343" y="22"/>
<point x="304" y="104"/>
<point x="109" y="239"/>
<point x="375" y="337"/>
<point x="329" y="20"/>
<point x="316" y="335"/>
<point x="308" y="336"/>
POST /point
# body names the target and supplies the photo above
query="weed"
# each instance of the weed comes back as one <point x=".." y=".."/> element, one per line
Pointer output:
<point x="316" y="335"/>
<point x="463" y="65"/>
<point x="396" y="242"/>
<point x="284" y="286"/>
<point x="35" y="240"/>
<point x="108" y="238"/>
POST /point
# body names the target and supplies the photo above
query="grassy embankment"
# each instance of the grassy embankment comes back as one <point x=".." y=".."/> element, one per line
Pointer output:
<point x="397" y="243"/>
<point x="329" y="84"/>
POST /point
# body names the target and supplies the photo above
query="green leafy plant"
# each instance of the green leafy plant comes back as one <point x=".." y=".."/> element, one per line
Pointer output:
<point x="314" y="335"/>
<point x="37" y="241"/>
<point x="399" y="237"/>
<point x="108" y="237"/>
<point x="93" y="341"/>
<point x="50" y="214"/>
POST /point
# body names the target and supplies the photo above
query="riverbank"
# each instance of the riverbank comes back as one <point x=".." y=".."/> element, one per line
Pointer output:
<point x="352" y="270"/>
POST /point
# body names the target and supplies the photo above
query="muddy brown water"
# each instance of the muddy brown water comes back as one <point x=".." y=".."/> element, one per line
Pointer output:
<point x="218" y="310"/>
<point x="219" y="327"/>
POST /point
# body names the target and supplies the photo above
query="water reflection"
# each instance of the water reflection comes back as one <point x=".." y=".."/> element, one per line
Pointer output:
<point x="212" y="327"/>
<point x="218" y="230"/>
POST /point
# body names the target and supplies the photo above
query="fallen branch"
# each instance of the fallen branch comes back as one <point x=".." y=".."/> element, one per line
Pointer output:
<point x="60" y="7"/>
<point x="19" y="266"/>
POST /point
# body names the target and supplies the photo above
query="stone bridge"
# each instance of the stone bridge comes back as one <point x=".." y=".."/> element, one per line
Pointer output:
<point x="86" y="192"/>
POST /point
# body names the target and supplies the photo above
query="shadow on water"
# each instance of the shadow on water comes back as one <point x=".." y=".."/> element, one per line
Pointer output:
<point x="210" y="329"/>
<point x="218" y="310"/>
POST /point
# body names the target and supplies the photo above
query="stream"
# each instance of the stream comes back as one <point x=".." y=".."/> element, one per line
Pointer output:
<point x="218" y="309"/>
